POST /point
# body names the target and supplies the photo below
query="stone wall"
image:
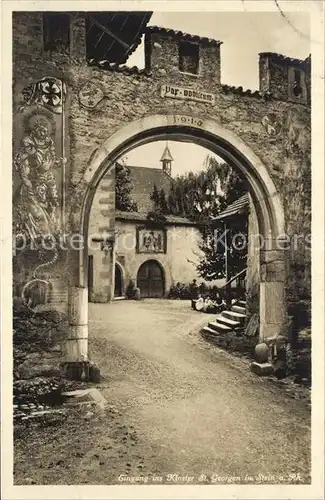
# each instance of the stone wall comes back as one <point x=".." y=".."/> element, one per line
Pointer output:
<point x="162" y="47"/>
<point x="276" y="129"/>
<point x="101" y="223"/>
<point x="277" y="75"/>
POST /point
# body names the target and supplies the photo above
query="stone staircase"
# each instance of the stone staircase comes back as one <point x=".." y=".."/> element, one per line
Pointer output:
<point x="229" y="320"/>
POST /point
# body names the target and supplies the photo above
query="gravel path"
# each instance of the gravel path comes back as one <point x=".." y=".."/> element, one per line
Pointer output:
<point x="180" y="411"/>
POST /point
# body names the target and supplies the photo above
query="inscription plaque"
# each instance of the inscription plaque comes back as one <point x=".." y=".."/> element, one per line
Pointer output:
<point x="187" y="94"/>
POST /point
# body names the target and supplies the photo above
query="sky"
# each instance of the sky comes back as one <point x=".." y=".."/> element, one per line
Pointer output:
<point x="244" y="36"/>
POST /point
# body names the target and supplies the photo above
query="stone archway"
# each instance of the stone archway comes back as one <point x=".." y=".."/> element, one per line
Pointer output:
<point x="151" y="279"/>
<point x="234" y="151"/>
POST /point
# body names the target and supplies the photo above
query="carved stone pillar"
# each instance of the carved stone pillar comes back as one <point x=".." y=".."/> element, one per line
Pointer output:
<point x="77" y="341"/>
<point x="273" y="308"/>
<point x="75" y="349"/>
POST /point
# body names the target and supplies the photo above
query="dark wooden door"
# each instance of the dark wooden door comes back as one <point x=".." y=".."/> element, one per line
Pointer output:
<point x="118" y="282"/>
<point x="150" y="280"/>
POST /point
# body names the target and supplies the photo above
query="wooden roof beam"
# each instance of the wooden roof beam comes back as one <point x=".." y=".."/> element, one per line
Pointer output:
<point x="109" y="32"/>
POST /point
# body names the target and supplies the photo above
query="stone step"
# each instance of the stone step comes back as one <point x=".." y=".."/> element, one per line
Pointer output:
<point x="235" y="316"/>
<point x="219" y="327"/>
<point x="209" y="332"/>
<point x="233" y="324"/>
<point x="239" y="309"/>
<point x="241" y="303"/>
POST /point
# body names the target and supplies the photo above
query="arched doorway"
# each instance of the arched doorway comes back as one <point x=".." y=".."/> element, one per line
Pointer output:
<point x="227" y="145"/>
<point x="118" y="282"/>
<point x="151" y="280"/>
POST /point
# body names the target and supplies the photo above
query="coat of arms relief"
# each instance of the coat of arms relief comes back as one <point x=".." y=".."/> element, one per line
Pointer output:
<point x="291" y="128"/>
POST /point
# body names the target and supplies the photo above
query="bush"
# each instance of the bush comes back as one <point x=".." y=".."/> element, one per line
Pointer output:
<point x="232" y="342"/>
<point x="300" y="311"/>
<point x="157" y="217"/>
<point x="130" y="291"/>
<point x="182" y="291"/>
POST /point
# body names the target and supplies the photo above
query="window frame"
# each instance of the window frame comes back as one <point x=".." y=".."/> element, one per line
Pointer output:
<point x="181" y="56"/>
<point x="293" y="72"/>
<point x="48" y="44"/>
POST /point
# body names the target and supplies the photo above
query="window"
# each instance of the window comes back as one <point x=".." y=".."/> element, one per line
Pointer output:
<point x="56" y="32"/>
<point x="297" y="89"/>
<point x="189" y="57"/>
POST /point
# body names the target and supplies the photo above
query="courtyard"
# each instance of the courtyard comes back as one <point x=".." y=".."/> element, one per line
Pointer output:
<point x="176" y="405"/>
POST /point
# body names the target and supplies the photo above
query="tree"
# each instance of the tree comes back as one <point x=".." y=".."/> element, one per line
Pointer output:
<point x="179" y="199"/>
<point x="200" y="197"/>
<point x="163" y="202"/>
<point x="123" y="189"/>
<point x="155" y="196"/>
<point x="214" y="243"/>
<point x="216" y="239"/>
<point x="172" y="202"/>
<point x="157" y="217"/>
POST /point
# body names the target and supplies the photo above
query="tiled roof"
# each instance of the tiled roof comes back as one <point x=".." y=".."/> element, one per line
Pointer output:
<point x="142" y="217"/>
<point x="284" y="59"/>
<point x="127" y="70"/>
<point x="184" y="36"/>
<point x="144" y="179"/>
<point x="238" y="207"/>
<point x="166" y="155"/>
<point x="247" y="92"/>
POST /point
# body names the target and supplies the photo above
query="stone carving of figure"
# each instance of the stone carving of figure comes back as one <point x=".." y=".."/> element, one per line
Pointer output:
<point x="38" y="197"/>
<point x="147" y="241"/>
<point x="152" y="242"/>
<point x="158" y="243"/>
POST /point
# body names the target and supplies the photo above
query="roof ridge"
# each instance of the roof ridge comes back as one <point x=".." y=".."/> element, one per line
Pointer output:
<point x="240" y="203"/>
<point x="143" y="216"/>
<point x="153" y="169"/>
<point x="181" y="34"/>
<point x="147" y="168"/>
<point x="284" y="58"/>
<point x="240" y="90"/>
<point x="119" y="68"/>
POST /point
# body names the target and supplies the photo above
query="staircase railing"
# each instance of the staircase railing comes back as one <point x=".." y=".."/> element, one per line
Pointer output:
<point x="227" y="286"/>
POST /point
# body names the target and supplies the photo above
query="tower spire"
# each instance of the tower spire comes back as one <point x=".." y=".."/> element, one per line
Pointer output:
<point x="166" y="160"/>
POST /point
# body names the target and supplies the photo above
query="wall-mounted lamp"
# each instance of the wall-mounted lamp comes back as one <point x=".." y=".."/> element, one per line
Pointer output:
<point x="107" y="246"/>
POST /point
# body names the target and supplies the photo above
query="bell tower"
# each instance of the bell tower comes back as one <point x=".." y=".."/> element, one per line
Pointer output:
<point x="166" y="161"/>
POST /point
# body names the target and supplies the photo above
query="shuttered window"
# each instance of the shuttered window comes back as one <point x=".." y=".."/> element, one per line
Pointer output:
<point x="56" y="32"/>
<point x="189" y="57"/>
